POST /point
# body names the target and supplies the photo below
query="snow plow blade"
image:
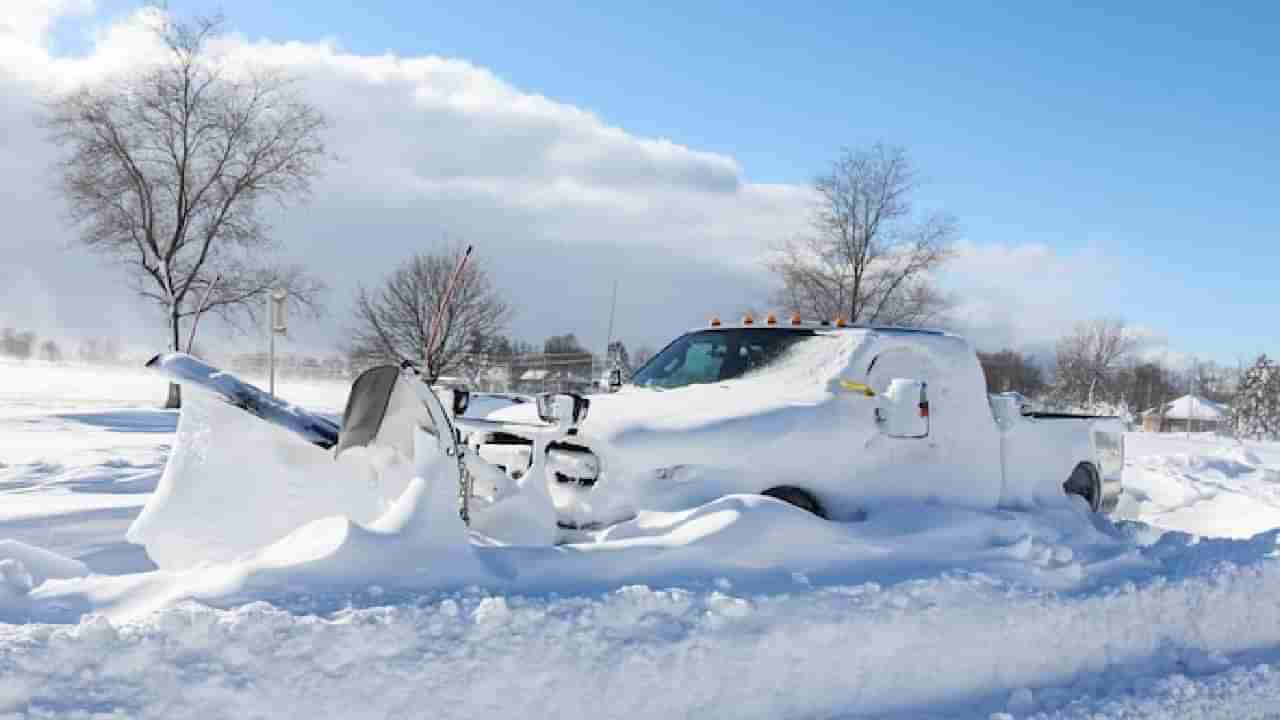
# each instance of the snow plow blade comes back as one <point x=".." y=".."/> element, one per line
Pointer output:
<point x="189" y="371"/>
<point x="367" y="407"/>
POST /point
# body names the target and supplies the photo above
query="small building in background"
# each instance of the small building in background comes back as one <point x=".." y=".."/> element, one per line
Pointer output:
<point x="1189" y="413"/>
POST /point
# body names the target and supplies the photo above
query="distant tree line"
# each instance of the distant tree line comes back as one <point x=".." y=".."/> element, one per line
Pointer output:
<point x="26" y="345"/>
<point x="1097" y="369"/>
<point x="18" y="344"/>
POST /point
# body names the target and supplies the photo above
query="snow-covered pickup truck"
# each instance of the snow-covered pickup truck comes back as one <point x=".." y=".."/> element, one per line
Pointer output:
<point x="835" y="420"/>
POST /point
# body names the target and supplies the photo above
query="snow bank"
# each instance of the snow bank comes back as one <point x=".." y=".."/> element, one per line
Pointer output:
<point x="1250" y="689"/>
<point x="743" y="606"/>
<point x="22" y="568"/>
<point x="420" y="540"/>
<point x="757" y="543"/>
<point x="234" y="484"/>
<point x="52" y="387"/>
<point x="962" y="643"/>
<point x="41" y="564"/>
<point x="1203" y="484"/>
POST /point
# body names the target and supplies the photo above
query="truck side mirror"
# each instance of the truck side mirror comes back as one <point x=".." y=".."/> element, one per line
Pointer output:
<point x="562" y="409"/>
<point x="615" y="379"/>
<point x="904" y="409"/>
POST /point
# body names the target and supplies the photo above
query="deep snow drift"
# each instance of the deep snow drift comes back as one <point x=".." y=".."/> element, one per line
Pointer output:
<point x="1203" y="484"/>
<point x="742" y="607"/>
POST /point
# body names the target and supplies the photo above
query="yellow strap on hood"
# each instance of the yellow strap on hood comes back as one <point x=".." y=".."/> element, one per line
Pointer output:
<point x="857" y="387"/>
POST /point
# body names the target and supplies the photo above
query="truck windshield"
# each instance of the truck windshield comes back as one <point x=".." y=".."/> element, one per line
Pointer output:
<point x="715" y="355"/>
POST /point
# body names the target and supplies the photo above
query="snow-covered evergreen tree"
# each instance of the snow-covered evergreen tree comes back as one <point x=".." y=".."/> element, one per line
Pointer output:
<point x="1255" y="411"/>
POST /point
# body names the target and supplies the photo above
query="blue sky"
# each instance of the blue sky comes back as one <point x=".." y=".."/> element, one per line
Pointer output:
<point x="1149" y="134"/>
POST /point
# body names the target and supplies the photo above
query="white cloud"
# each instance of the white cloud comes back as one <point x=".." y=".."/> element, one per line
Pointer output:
<point x="1027" y="296"/>
<point x="29" y="21"/>
<point x="558" y="201"/>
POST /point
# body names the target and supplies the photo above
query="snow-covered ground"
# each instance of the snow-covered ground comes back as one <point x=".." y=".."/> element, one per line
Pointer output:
<point x="1202" y="484"/>
<point x="741" y="608"/>
<point x="82" y="448"/>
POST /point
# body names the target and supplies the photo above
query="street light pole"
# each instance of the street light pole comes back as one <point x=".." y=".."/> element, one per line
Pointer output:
<point x="277" y="324"/>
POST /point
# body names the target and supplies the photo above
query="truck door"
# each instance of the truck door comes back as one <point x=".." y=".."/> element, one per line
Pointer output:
<point x="957" y="459"/>
<point x="904" y="457"/>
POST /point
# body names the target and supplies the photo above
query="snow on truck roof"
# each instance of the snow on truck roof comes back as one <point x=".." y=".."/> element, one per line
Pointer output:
<point x="772" y="323"/>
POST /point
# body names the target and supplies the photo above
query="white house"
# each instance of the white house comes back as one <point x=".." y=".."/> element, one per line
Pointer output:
<point x="1189" y="412"/>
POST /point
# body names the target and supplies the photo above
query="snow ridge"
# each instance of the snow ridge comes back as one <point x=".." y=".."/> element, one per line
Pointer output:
<point x="963" y="640"/>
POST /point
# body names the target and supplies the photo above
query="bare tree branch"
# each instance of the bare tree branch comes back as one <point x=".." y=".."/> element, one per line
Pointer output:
<point x="1089" y="365"/>
<point x="392" y="322"/>
<point x="867" y="259"/>
<point x="166" y="166"/>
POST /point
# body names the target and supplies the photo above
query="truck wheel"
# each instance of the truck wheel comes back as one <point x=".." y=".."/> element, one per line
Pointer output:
<point x="795" y="496"/>
<point x="1084" y="482"/>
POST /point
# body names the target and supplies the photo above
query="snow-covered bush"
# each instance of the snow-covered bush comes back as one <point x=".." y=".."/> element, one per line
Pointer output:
<point x="1255" y="411"/>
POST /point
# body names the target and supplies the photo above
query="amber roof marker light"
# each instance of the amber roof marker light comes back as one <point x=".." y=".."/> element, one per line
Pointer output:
<point x="715" y="321"/>
<point x="771" y="319"/>
<point x="795" y="318"/>
<point x="748" y="319"/>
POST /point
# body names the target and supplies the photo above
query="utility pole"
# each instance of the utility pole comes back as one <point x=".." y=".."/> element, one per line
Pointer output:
<point x="1191" y="412"/>
<point x="277" y="324"/>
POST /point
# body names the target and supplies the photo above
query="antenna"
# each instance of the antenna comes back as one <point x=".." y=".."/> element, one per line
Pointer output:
<point x="440" y="311"/>
<point x="613" y="306"/>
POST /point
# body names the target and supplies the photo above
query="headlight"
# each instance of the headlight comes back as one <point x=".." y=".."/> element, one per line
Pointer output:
<point x="572" y="464"/>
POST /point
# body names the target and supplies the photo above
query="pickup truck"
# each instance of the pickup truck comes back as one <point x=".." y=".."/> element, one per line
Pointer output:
<point x="835" y="420"/>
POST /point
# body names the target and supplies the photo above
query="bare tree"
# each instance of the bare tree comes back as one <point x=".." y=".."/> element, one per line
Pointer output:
<point x="393" y="322"/>
<point x="869" y="255"/>
<point x="166" y="168"/>
<point x="1148" y="384"/>
<point x="562" y="345"/>
<point x="1089" y="362"/>
<point x="1012" y="371"/>
<point x="1211" y="381"/>
<point x="643" y="355"/>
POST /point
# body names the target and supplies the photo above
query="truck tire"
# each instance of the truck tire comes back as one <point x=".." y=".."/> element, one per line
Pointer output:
<point x="1084" y="481"/>
<point x="795" y="496"/>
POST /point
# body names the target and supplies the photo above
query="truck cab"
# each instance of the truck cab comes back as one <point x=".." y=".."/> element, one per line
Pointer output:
<point x="834" y="419"/>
